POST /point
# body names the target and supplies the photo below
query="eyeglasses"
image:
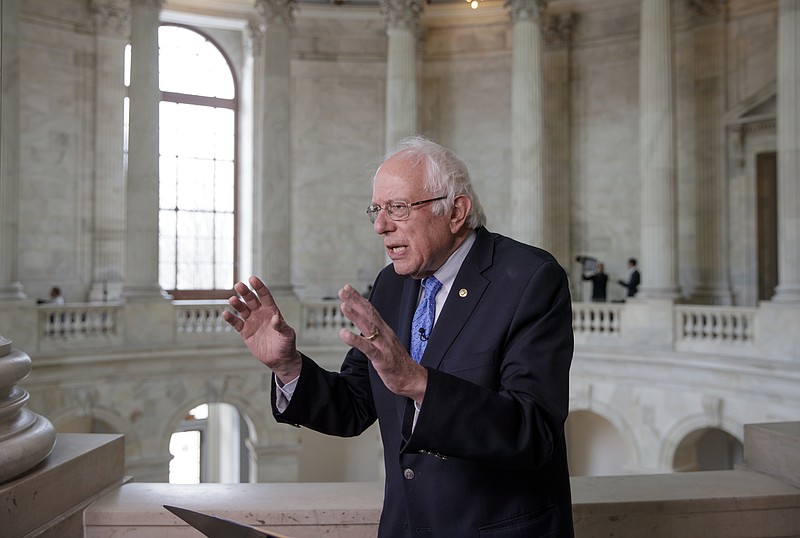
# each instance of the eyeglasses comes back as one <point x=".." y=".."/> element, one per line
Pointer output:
<point x="397" y="210"/>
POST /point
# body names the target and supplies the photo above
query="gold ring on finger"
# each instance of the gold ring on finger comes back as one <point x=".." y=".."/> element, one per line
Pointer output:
<point x="373" y="336"/>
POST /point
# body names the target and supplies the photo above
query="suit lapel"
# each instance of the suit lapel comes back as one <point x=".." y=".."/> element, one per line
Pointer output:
<point x="468" y="288"/>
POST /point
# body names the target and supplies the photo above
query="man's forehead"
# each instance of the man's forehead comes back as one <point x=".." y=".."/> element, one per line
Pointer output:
<point x="397" y="179"/>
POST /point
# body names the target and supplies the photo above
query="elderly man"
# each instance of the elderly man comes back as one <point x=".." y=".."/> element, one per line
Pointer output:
<point x="463" y="358"/>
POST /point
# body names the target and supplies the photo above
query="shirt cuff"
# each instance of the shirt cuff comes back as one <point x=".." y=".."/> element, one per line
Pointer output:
<point x="284" y="393"/>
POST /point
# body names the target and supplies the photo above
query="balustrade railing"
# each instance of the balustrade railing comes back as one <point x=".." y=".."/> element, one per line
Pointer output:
<point x="696" y="328"/>
<point x="79" y="325"/>
<point x="200" y="320"/>
<point x="597" y="319"/>
<point x="715" y="325"/>
<point x="321" y="321"/>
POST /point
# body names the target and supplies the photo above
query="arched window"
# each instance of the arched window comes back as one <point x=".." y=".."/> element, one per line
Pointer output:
<point x="197" y="159"/>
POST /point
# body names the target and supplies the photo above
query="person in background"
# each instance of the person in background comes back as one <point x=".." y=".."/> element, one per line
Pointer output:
<point x="55" y="296"/>
<point x="461" y="352"/>
<point x="633" y="280"/>
<point x="599" y="282"/>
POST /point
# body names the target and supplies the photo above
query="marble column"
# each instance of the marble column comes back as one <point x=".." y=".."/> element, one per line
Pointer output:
<point x="273" y="205"/>
<point x="788" y="113"/>
<point x="249" y="145"/>
<point x="713" y="268"/>
<point x="657" y="157"/>
<point x="557" y="31"/>
<point x="527" y="123"/>
<point x="10" y="287"/>
<point x="141" y="196"/>
<point x="112" y="26"/>
<point x="401" y="68"/>
<point x="25" y="437"/>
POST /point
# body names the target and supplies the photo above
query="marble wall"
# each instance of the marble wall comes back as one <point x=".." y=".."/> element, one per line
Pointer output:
<point x="337" y="123"/>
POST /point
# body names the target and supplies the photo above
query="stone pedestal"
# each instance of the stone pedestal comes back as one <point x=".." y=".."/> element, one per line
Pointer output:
<point x="648" y="323"/>
<point x="149" y="322"/>
<point x="25" y="437"/>
<point x="49" y="500"/>
<point x="774" y="449"/>
<point x="776" y="331"/>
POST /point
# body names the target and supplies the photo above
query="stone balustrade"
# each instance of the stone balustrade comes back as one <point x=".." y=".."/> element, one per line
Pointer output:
<point x="694" y="328"/>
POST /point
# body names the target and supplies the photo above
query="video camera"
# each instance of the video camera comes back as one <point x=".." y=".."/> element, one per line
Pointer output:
<point x="588" y="264"/>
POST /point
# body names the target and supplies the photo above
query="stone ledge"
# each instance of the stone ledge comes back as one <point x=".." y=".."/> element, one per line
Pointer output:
<point x="726" y="504"/>
<point x="309" y="510"/>
<point x="729" y="504"/>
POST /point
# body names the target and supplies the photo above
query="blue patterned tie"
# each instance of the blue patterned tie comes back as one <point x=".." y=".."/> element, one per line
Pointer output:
<point x="423" y="318"/>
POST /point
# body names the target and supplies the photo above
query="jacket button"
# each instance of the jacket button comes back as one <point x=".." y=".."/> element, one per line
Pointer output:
<point x="408" y="474"/>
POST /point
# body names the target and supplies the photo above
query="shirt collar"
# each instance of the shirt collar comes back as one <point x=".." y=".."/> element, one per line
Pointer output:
<point x="446" y="274"/>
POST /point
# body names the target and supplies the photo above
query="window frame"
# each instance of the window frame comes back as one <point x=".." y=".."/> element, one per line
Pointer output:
<point x="216" y="102"/>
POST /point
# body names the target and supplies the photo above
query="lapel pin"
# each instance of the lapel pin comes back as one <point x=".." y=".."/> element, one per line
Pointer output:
<point x="462" y="292"/>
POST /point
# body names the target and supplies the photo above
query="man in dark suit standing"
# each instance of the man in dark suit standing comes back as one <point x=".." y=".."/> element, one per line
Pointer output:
<point x="463" y="358"/>
<point x="599" y="280"/>
<point x="632" y="283"/>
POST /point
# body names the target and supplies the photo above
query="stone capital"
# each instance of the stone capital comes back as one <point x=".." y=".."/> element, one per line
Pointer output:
<point x="111" y="17"/>
<point x="706" y="10"/>
<point x="401" y="13"/>
<point x="557" y="29"/>
<point x="253" y="37"/>
<point x="526" y="10"/>
<point x="276" y="12"/>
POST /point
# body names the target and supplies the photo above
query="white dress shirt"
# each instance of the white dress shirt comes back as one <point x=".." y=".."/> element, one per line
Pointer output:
<point x="446" y="274"/>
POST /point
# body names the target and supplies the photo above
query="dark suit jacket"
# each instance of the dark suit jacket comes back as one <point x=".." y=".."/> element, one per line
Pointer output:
<point x="487" y="456"/>
<point x="632" y="284"/>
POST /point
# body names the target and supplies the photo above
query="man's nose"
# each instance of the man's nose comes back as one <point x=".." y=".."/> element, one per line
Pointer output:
<point x="382" y="222"/>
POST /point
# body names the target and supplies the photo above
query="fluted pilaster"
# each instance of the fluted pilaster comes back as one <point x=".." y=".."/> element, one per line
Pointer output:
<point x="788" y="113"/>
<point x="141" y="196"/>
<point x="10" y="287"/>
<point x="557" y="31"/>
<point x="401" y="68"/>
<point x="273" y="211"/>
<point x="112" y="26"/>
<point x="713" y="270"/>
<point x="657" y="152"/>
<point x="527" y="124"/>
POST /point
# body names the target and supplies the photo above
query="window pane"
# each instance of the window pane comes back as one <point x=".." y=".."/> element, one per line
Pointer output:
<point x="166" y="249"/>
<point x="167" y="182"/>
<point x="190" y="64"/>
<point x="167" y="133"/>
<point x="196" y="130"/>
<point x="195" y="184"/>
<point x="223" y="187"/>
<point x="224" y="142"/>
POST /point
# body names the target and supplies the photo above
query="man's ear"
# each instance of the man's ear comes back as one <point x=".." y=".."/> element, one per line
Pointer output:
<point x="458" y="217"/>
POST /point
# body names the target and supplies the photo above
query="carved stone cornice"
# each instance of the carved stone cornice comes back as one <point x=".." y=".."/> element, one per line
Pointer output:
<point x="738" y="134"/>
<point x="557" y="29"/>
<point x="526" y="10"/>
<point x="111" y="17"/>
<point x="280" y="12"/>
<point x="402" y="14"/>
